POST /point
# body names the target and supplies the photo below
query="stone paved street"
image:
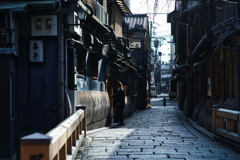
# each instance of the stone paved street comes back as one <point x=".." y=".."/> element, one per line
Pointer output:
<point x="157" y="133"/>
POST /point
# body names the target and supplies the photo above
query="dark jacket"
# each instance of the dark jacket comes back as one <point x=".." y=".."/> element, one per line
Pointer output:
<point x="119" y="99"/>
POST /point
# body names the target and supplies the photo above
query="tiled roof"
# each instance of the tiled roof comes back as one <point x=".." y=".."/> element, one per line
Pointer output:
<point x="123" y="7"/>
<point x="137" y="21"/>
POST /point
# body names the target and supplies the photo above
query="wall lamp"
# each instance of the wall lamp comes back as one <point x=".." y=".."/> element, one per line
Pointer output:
<point x="82" y="14"/>
<point x="129" y="54"/>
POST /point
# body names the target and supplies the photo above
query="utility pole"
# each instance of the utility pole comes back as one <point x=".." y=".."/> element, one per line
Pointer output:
<point x="158" y="67"/>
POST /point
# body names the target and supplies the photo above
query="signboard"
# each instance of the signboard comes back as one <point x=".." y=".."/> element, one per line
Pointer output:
<point x="134" y="44"/>
<point x="44" y="25"/>
<point x="36" y="51"/>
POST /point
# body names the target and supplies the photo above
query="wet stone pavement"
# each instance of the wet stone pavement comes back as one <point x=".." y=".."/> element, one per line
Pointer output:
<point x="156" y="133"/>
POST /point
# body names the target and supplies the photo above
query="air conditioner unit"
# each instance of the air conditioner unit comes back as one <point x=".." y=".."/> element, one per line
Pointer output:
<point x="73" y="23"/>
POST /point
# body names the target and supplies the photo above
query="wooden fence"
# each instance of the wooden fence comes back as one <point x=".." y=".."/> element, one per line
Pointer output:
<point x="61" y="143"/>
<point x="223" y="123"/>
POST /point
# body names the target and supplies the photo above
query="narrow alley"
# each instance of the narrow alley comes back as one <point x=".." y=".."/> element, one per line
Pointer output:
<point x="157" y="133"/>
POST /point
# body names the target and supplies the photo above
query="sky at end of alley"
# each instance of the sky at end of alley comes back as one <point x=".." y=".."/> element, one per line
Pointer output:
<point x="161" y="7"/>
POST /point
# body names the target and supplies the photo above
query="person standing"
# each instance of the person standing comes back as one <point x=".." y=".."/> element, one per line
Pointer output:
<point x="119" y="101"/>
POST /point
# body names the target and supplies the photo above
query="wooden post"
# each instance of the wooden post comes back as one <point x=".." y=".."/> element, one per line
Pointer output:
<point x="78" y="131"/>
<point x="214" y="117"/>
<point x="74" y="138"/>
<point x="35" y="146"/>
<point x="69" y="145"/>
<point x="229" y="125"/>
<point x="239" y="125"/>
<point x="84" y="121"/>
<point x="80" y="128"/>
<point x="63" y="153"/>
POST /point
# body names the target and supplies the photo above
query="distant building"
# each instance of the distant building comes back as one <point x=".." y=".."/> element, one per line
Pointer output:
<point x="139" y="43"/>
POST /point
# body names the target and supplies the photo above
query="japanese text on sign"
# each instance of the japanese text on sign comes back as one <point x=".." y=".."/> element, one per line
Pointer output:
<point x="36" y="51"/>
<point x="133" y="44"/>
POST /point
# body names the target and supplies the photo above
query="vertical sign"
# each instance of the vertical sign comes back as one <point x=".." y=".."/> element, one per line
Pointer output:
<point x="36" y="51"/>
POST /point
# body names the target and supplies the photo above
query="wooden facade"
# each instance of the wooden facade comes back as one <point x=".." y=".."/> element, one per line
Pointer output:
<point x="139" y="43"/>
<point x="81" y="62"/>
<point x="208" y="64"/>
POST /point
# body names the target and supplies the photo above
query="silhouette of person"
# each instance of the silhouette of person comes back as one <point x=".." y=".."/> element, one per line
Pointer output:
<point x="119" y="101"/>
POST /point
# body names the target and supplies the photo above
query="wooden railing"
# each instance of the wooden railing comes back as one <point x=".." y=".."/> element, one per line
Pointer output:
<point x="223" y="123"/>
<point x="61" y="143"/>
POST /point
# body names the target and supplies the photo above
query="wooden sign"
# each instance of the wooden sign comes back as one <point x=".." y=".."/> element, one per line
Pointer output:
<point x="135" y="44"/>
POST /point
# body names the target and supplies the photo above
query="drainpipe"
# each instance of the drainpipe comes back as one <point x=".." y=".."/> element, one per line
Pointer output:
<point x="61" y="77"/>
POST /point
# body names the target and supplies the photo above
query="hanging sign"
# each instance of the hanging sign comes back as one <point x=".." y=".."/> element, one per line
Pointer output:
<point x="134" y="44"/>
<point x="36" y="51"/>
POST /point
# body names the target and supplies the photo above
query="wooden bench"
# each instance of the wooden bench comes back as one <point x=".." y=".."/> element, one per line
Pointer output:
<point x="61" y="143"/>
<point x="223" y="123"/>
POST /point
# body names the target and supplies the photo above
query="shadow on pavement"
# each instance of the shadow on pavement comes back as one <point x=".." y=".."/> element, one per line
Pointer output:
<point x="156" y="133"/>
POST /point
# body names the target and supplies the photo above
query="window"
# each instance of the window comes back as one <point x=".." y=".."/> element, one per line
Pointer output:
<point x="95" y="69"/>
<point x="81" y="62"/>
<point x="92" y="65"/>
<point x="101" y="14"/>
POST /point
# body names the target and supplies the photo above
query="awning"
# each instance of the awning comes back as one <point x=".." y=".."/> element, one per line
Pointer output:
<point x="129" y="65"/>
<point x="25" y="5"/>
<point x="94" y="26"/>
<point x="171" y="15"/>
<point x="215" y="36"/>
<point x="202" y="45"/>
<point x="123" y="6"/>
<point x="137" y="22"/>
<point x="182" y="68"/>
<point x="199" y="64"/>
<point x="80" y="46"/>
<point x="102" y="32"/>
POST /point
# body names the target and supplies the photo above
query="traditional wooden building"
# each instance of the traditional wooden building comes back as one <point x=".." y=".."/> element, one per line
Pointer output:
<point x="138" y="27"/>
<point x="32" y="70"/>
<point x="206" y="46"/>
<point x="106" y="26"/>
<point x="54" y="55"/>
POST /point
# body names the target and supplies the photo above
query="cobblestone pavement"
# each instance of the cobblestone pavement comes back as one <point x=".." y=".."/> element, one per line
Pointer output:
<point x="156" y="133"/>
